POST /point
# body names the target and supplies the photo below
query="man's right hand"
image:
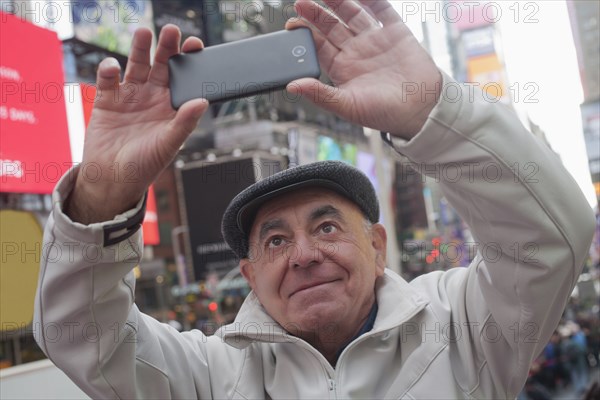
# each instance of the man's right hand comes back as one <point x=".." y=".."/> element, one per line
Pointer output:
<point x="134" y="133"/>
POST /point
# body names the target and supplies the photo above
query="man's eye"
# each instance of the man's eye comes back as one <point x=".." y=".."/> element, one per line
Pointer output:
<point x="276" y="242"/>
<point x="328" y="228"/>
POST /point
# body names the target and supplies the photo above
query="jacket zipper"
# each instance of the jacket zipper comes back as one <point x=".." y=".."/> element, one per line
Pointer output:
<point x="332" y="394"/>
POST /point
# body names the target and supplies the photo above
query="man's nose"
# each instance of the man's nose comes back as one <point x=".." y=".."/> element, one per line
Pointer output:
<point x="303" y="252"/>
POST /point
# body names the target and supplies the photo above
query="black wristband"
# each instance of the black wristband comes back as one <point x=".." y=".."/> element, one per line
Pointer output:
<point x="116" y="233"/>
<point x="387" y="138"/>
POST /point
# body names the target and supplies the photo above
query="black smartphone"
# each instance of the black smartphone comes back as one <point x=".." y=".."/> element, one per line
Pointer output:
<point x="243" y="68"/>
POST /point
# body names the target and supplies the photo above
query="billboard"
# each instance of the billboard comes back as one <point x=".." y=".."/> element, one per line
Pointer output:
<point x="331" y="149"/>
<point x="366" y="162"/>
<point x="19" y="267"/>
<point x="488" y="72"/>
<point x="35" y="149"/>
<point x="150" y="224"/>
<point x="479" y="42"/>
<point x="590" y="114"/>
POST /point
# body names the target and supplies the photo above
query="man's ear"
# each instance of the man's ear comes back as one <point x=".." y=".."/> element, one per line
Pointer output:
<point x="247" y="271"/>
<point x="379" y="243"/>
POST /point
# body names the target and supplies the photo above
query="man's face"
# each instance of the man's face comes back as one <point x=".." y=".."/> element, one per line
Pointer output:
<point x="314" y="261"/>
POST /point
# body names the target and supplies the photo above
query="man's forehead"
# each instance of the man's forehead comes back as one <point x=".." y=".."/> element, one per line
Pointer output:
<point x="307" y="201"/>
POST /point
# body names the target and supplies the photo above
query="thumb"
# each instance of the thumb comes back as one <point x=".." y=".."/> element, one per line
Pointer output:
<point x="187" y="118"/>
<point x="328" y="97"/>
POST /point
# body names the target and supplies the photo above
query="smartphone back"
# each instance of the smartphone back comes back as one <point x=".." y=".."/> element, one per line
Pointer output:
<point x="243" y="68"/>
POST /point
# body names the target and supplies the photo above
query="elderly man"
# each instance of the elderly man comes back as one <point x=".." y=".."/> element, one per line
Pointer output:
<point x="325" y="318"/>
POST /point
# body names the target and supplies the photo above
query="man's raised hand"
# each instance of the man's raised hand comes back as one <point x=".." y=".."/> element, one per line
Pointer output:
<point x="372" y="59"/>
<point x="134" y="133"/>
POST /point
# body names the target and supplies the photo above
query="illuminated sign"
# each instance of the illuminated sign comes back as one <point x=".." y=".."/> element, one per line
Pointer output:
<point x="19" y="267"/>
<point x="35" y="149"/>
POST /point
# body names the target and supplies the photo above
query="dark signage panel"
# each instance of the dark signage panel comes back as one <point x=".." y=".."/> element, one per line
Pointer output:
<point x="208" y="188"/>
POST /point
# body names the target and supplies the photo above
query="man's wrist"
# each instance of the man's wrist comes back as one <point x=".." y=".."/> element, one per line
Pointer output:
<point x="78" y="208"/>
<point x="87" y="206"/>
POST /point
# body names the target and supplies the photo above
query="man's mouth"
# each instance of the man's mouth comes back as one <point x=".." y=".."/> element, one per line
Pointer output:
<point x="311" y="286"/>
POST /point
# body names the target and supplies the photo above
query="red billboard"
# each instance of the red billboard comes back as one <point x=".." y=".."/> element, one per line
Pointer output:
<point x="150" y="225"/>
<point x="34" y="146"/>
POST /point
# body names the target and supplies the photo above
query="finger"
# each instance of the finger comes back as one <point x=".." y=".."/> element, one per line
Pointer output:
<point x="168" y="45"/>
<point x="326" y="51"/>
<point x="324" y="20"/>
<point x="328" y="97"/>
<point x="108" y="75"/>
<point x="185" y="122"/>
<point x="353" y="15"/>
<point x="192" y="44"/>
<point x="383" y="11"/>
<point x="138" y="63"/>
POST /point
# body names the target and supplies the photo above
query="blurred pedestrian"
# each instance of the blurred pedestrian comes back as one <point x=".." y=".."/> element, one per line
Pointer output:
<point x="549" y="371"/>
<point x="575" y="356"/>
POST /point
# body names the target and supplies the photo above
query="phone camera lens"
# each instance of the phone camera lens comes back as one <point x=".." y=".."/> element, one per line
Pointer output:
<point x="299" y="51"/>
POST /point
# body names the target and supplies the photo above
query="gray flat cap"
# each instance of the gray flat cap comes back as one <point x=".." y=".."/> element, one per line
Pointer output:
<point x="338" y="176"/>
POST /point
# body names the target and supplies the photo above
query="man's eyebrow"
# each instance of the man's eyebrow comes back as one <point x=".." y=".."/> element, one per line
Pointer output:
<point x="326" y="211"/>
<point x="319" y="212"/>
<point x="269" y="225"/>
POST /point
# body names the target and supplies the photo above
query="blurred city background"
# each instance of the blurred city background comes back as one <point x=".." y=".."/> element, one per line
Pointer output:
<point x="540" y="58"/>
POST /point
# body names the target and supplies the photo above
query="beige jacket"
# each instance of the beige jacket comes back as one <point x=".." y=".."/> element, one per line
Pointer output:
<point x="466" y="333"/>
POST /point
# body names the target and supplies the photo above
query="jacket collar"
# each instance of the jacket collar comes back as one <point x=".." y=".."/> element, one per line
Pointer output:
<point x="397" y="303"/>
